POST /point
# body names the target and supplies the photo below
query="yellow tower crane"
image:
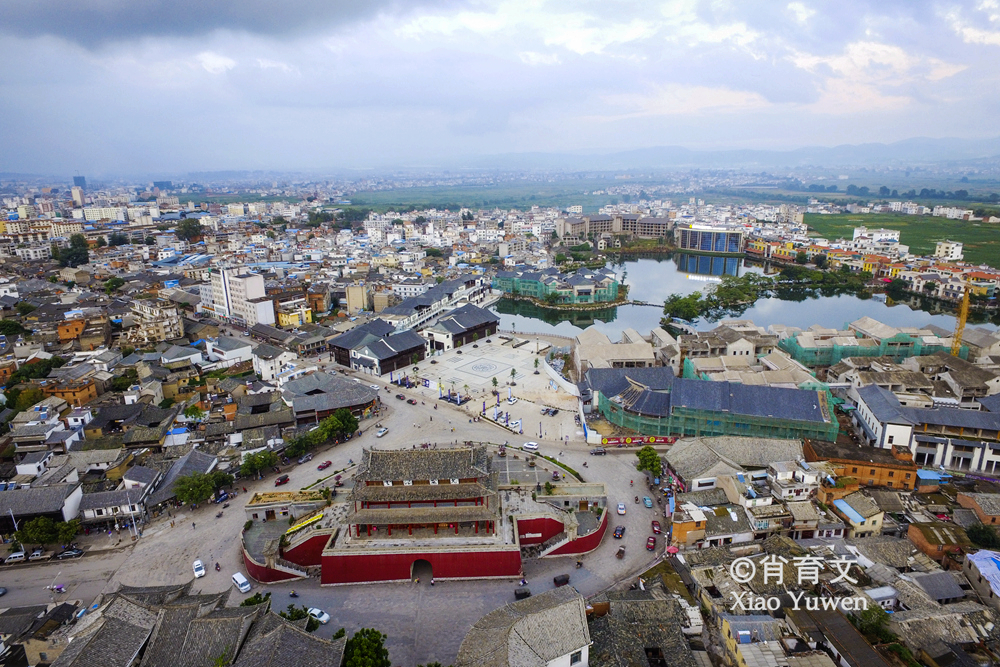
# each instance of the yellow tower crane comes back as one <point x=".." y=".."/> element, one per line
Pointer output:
<point x="963" y="315"/>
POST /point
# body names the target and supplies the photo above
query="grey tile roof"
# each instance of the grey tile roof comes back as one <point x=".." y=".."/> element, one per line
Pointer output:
<point x="192" y="462"/>
<point x="424" y="464"/>
<point x="285" y="644"/>
<point x="938" y="585"/>
<point x="528" y="633"/>
<point x="622" y="636"/>
<point x="862" y="504"/>
<point x="35" y="500"/>
<point x="693" y="458"/>
<point x="989" y="503"/>
<point x="141" y="474"/>
<point x="322" y="391"/>
<point x="117" y="498"/>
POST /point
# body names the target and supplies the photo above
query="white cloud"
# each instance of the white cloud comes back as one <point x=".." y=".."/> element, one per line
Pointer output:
<point x="264" y="63"/>
<point x="673" y="100"/>
<point x="800" y="11"/>
<point x="215" y="63"/>
<point x="535" y="58"/>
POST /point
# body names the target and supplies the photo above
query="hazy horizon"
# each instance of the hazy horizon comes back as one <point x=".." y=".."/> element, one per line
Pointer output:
<point x="311" y="85"/>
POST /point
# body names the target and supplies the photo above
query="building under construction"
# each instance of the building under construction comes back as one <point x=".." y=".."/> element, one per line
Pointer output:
<point x="652" y="401"/>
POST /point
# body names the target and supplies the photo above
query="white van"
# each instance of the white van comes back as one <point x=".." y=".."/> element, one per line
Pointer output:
<point x="16" y="557"/>
<point x="241" y="583"/>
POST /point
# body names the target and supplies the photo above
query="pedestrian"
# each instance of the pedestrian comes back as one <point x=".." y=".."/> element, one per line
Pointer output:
<point x="244" y="489"/>
<point x="192" y="524"/>
<point x="432" y="581"/>
<point x="171" y="524"/>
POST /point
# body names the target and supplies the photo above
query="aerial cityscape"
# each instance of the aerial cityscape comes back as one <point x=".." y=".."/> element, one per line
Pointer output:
<point x="496" y="333"/>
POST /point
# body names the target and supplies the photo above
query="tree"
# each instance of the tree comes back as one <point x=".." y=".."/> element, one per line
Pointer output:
<point x="513" y="374"/>
<point x="366" y="648"/>
<point x="433" y="252"/>
<point x="23" y="308"/>
<point x="256" y="599"/>
<point x="112" y="284"/>
<point x="649" y="460"/>
<point x="188" y="230"/>
<point x="982" y="536"/>
<point x="101" y="242"/>
<point x="495" y="382"/>
<point x="685" y="307"/>
<point x="258" y="461"/>
<point x="339" y="633"/>
<point x="123" y="382"/>
<point x="819" y="261"/>
<point x="11" y="328"/>
<point x="930" y="286"/>
<point x="294" y="613"/>
<point x="270" y="234"/>
<point x="76" y="254"/>
<point x="801" y="257"/>
<point x="896" y="289"/>
<point x="43" y="530"/>
<point x="872" y="622"/>
<point x="150" y="240"/>
<point x="349" y="423"/>
<point x="118" y="239"/>
<point x="194" y="412"/>
<point x="560" y="258"/>
<point x="194" y="488"/>
<point x="27" y="398"/>
<point x="537" y="362"/>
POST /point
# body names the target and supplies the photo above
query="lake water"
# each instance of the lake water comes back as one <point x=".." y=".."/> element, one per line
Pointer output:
<point x="653" y="280"/>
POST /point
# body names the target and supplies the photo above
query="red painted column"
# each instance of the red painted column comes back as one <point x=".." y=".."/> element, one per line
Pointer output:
<point x="410" y="527"/>
<point x="388" y="528"/>
<point x="477" y="528"/>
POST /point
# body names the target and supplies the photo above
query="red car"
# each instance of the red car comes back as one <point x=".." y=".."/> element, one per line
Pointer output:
<point x="281" y="480"/>
<point x="651" y="543"/>
<point x="656" y="527"/>
<point x="326" y="464"/>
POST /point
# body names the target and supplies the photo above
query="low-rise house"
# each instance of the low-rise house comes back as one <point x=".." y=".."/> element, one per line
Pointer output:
<point x="982" y="569"/>
<point x="59" y="502"/>
<point x="862" y="515"/>
<point x="891" y="468"/>
<point x="940" y="540"/>
<point x="939" y="586"/>
<point x="269" y="360"/>
<point x="228" y="351"/>
<point x="792" y="480"/>
<point x="114" y="508"/>
<point x="546" y="629"/>
<point x="985" y="505"/>
<point x="636" y="630"/>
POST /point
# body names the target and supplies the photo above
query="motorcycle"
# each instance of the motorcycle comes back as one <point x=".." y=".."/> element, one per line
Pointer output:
<point x="579" y="564"/>
<point x="217" y="568"/>
<point x="637" y="499"/>
<point x="293" y="594"/>
<point x="218" y="515"/>
<point x="225" y="505"/>
<point x="435" y="406"/>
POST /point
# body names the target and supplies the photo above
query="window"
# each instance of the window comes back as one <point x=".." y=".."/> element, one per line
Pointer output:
<point x="576" y="657"/>
<point x="99" y="512"/>
<point x="697" y="524"/>
<point x="892" y="473"/>
<point x="889" y="484"/>
<point x="891" y="437"/>
<point x="872" y="472"/>
<point x="854" y="469"/>
<point x="907" y="475"/>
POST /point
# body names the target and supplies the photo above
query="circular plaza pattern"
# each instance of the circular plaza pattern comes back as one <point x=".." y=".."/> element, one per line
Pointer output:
<point x="484" y="367"/>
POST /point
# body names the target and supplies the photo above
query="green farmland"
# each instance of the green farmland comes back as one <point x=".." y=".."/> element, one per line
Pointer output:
<point x="920" y="232"/>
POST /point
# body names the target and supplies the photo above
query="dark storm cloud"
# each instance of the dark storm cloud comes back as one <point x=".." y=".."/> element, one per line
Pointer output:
<point x="97" y="22"/>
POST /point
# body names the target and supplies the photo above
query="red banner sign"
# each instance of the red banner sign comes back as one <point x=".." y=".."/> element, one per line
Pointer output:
<point x="640" y="440"/>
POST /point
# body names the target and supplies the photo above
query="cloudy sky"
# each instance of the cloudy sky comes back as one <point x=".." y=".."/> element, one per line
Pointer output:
<point x="120" y="86"/>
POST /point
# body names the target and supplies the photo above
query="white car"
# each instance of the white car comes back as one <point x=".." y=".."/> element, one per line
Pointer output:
<point x="621" y="508"/>
<point x="375" y="387"/>
<point x="512" y="400"/>
<point x="382" y="431"/>
<point x="531" y="446"/>
<point x="199" y="569"/>
<point x="320" y="615"/>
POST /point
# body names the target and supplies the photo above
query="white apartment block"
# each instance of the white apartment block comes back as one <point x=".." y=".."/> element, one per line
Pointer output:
<point x="104" y="213"/>
<point x="950" y="251"/>
<point x="238" y="297"/>
<point x="156" y="320"/>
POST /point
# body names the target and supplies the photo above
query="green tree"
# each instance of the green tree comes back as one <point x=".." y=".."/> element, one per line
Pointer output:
<point x="43" y="530"/>
<point x="256" y="599"/>
<point x="513" y="374"/>
<point x="873" y="623"/>
<point x="220" y="479"/>
<point x="494" y="382"/>
<point x="23" y="308"/>
<point x="819" y="261"/>
<point x="271" y="234"/>
<point x="897" y="289"/>
<point x="194" y="488"/>
<point x="685" y="307"/>
<point x="150" y="240"/>
<point x="117" y="239"/>
<point x="101" y="242"/>
<point x="801" y="257"/>
<point x="348" y="422"/>
<point x="294" y="613"/>
<point x="11" y="328"/>
<point x="982" y="536"/>
<point x="257" y="462"/>
<point x="194" y="412"/>
<point x="188" y="230"/>
<point x="76" y="254"/>
<point x="366" y="648"/>
<point x="126" y="380"/>
<point x="433" y="252"/>
<point x="930" y="286"/>
<point x="560" y="258"/>
<point x="27" y="398"/>
<point x="552" y="298"/>
<point x="649" y="460"/>
<point x="339" y="633"/>
<point x="112" y="284"/>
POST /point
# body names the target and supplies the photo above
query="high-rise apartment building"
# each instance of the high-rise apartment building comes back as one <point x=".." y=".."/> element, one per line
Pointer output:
<point x="78" y="196"/>
<point x="80" y="182"/>
<point x="240" y="298"/>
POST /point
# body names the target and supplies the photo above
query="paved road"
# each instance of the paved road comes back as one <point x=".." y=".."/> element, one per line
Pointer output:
<point x="83" y="578"/>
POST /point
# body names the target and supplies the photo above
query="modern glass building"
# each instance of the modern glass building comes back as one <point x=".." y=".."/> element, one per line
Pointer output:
<point x="699" y="237"/>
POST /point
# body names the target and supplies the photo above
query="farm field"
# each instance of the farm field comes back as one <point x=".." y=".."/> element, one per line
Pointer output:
<point x="982" y="240"/>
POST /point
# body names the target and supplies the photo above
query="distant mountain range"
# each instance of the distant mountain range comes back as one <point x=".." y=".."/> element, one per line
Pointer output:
<point x="909" y="152"/>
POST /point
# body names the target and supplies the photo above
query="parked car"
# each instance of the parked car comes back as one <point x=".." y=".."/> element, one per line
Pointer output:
<point x="199" y="569"/>
<point x="646" y="501"/>
<point x="36" y="554"/>
<point x="221" y="498"/>
<point x="241" y="583"/>
<point x="16" y="557"/>
<point x="281" y="480"/>
<point x="621" y="508"/>
<point x="412" y="401"/>
<point x="545" y="411"/>
<point x="553" y="412"/>
<point x="382" y="431"/>
<point x="620" y="532"/>
<point x="305" y="458"/>
<point x="656" y="527"/>
<point x="401" y="397"/>
<point x="598" y="451"/>
<point x="3" y="591"/>
<point x="374" y="386"/>
<point x="324" y="465"/>
<point x="530" y="446"/>
<point x="319" y="615"/>
<point x="512" y="400"/>
<point x="651" y="543"/>
<point x="69" y="553"/>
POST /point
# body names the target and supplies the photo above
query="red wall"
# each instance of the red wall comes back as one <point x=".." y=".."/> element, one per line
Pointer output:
<point x="344" y="569"/>
<point x="309" y="552"/>
<point x="547" y="527"/>
<point x="586" y="543"/>
<point x="263" y="574"/>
